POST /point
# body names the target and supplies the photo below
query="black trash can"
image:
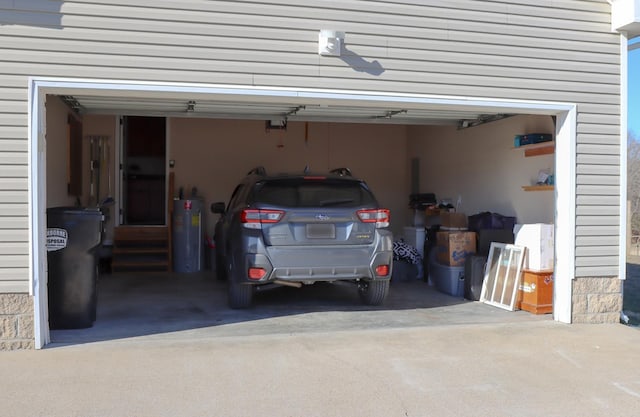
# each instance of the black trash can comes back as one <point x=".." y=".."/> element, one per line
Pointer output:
<point x="74" y="236"/>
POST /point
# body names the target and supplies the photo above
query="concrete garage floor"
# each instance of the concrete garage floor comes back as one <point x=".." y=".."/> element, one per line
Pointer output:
<point x="143" y="304"/>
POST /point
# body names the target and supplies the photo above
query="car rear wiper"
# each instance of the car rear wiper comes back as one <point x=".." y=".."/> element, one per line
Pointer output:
<point x="335" y="202"/>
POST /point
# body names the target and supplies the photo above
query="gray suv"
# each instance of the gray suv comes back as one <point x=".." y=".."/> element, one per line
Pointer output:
<point x="300" y="229"/>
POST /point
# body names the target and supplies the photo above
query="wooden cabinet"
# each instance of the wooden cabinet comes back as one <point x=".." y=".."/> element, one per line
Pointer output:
<point x="535" y="293"/>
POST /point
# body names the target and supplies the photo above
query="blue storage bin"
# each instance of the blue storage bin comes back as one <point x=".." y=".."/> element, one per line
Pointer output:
<point x="446" y="279"/>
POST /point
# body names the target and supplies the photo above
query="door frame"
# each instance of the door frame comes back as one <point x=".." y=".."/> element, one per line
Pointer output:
<point x="565" y="189"/>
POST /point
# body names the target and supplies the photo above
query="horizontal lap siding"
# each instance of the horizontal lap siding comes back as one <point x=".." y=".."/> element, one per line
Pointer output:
<point x="549" y="50"/>
<point x="598" y="193"/>
<point x="14" y="220"/>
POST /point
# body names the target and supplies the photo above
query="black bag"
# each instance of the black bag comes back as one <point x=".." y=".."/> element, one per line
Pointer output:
<point x="488" y="220"/>
<point x="474" y="276"/>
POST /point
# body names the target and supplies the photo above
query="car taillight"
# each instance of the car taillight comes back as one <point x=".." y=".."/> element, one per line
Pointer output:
<point x="382" y="270"/>
<point x="256" y="273"/>
<point x="255" y="218"/>
<point x="380" y="217"/>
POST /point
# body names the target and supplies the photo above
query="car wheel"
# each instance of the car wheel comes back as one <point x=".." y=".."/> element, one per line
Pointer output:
<point x="373" y="293"/>
<point x="221" y="268"/>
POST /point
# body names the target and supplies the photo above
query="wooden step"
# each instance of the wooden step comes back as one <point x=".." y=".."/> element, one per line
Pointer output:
<point x="123" y="234"/>
<point x="120" y="265"/>
<point x="141" y="248"/>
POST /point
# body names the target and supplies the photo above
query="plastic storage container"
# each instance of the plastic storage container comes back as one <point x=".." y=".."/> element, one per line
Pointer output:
<point x="446" y="279"/>
<point x="74" y="236"/>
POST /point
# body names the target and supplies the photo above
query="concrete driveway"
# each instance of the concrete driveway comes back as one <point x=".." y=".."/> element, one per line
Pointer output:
<point x="324" y="355"/>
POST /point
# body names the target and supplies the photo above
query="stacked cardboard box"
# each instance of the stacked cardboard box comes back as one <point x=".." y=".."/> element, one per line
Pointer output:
<point x="454" y="247"/>
<point x="454" y="242"/>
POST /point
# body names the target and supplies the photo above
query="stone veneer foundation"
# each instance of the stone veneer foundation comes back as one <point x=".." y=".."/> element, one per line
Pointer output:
<point x="596" y="300"/>
<point x="16" y="322"/>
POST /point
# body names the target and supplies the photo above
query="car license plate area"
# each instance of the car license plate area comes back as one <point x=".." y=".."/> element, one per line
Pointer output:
<point x="321" y="231"/>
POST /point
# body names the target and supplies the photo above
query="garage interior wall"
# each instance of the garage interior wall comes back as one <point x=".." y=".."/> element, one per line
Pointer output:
<point x="57" y="153"/>
<point x="481" y="166"/>
<point x="214" y="155"/>
<point x="478" y="164"/>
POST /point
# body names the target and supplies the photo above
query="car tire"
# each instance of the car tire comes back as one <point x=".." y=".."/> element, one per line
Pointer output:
<point x="240" y="295"/>
<point x="373" y="293"/>
<point x="221" y="268"/>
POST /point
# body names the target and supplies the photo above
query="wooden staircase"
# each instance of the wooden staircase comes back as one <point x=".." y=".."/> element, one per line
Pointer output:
<point x="141" y="248"/>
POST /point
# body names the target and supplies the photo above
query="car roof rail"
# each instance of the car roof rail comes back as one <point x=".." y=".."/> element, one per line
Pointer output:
<point x="343" y="172"/>
<point x="258" y="171"/>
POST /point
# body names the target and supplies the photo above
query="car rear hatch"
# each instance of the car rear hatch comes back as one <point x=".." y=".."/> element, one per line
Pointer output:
<point x="317" y="211"/>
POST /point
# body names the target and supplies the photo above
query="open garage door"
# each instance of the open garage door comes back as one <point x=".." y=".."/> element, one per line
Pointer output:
<point x="343" y="122"/>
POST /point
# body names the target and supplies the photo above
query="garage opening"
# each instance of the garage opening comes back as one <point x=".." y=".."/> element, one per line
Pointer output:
<point x="466" y="159"/>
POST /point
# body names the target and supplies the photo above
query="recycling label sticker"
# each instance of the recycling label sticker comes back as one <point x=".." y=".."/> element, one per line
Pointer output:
<point x="56" y="239"/>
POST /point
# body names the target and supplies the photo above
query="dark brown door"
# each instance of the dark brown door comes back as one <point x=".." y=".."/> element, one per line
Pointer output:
<point x="144" y="170"/>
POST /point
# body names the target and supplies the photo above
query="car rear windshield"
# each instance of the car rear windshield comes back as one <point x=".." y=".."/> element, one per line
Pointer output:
<point x="313" y="193"/>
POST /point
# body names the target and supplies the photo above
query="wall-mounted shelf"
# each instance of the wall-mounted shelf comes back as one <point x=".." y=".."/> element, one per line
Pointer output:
<point x="537" y="149"/>
<point x="542" y="150"/>
<point x="537" y="187"/>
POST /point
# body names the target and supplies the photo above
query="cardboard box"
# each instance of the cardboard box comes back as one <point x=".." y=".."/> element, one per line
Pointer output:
<point x="537" y="238"/>
<point x="454" y="247"/>
<point x="535" y="293"/>
<point x="453" y="221"/>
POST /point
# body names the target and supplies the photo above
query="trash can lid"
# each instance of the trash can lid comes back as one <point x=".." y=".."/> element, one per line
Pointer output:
<point x="82" y="211"/>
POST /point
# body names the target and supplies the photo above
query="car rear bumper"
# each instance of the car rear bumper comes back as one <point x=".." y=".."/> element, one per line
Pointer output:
<point x="313" y="264"/>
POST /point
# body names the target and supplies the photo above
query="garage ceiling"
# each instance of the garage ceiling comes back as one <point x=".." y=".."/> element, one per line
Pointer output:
<point x="277" y="109"/>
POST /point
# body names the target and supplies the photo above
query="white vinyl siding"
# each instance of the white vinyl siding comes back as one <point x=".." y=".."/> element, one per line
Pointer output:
<point x="548" y="50"/>
<point x="14" y="220"/>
